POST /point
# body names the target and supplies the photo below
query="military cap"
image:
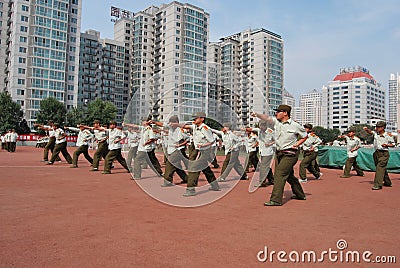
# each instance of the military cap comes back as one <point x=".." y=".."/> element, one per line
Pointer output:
<point x="381" y="124"/>
<point x="199" y="114"/>
<point x="283" y="108"/>
<point x="308" y="125"/>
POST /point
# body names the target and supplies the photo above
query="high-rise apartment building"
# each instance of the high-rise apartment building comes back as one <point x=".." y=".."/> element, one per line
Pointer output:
<point x="251" y="72"/>
<point x="309" y="110"/>
<point x="102" y="71"/>
<point x="41" y="54"/>
<point x="3" y="37"/>
<point x="288" y="98"/>
<point x="353" y="97"/>
<point x="394" y="101"/>
<point x="168" y="60"/>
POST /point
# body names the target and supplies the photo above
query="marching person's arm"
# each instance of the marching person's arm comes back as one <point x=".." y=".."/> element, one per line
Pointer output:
<point x="160" y="124"/>
<point x="218" y="132"/>
<point x="367" y="130"/>
<point x="129" y="125"/>
<point x="264" y="117"/>
<point x="72" y="129"/>
<point x="300" y="142"/>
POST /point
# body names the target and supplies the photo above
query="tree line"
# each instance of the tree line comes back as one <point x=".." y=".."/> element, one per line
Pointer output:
<point x="52" y="109"/>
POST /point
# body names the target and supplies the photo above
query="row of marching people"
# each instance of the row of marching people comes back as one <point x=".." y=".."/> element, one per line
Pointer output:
<point x="175" y="138"/>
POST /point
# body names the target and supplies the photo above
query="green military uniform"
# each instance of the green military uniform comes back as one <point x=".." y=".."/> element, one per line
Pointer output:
<point x="252" y="150"/>
<point x="231" y="143"/>
<point x="174" y="155"/>
<point x="310" y="153"/>
<point x="102" y="147"/>
<point x="352" y="145"/>
<point x="286" y="135"/>
<point x="143" y="156"/>
<point x="61" y="146"/>
<point x="84" y="136"/>
<point x="381" y="157"/>
<point x="266" y="149"/>
<point x="114" y="151"/>
<point x="201" y="135"/>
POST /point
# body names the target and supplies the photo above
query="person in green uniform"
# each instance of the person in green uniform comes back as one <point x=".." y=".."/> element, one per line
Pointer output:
<point x="61" y="145"/>
<point x="231" y="143"/>
<point x="382" y="142"/>
<point x="115" y="136"/>
<point x="353" y="143"/>
<point x="174" y="142"/>
<point x="289" y="135"/>
<point x="52" y="140"/>
<point x="202" y="141"/>
<point x="84" y="137"/>
<point x="266" y="146"/>
<point x="310" y="153"/>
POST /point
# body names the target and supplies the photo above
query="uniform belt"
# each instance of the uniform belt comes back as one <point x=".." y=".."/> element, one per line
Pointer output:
<point x="288" y="151"/>
<point x="382" y="150"/>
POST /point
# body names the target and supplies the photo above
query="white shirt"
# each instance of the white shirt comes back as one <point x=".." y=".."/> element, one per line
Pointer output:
<point x="385" y="138"/>
<point x="251" y="142"/>
<point x="287" y="133"/>
<point x="175" y="136"/>
<point x="58" y="133"/>
<point x="264" y="139"/>
<point x="352" y="143"/>
<point x="100" y="135"/>
<point x="312" y="141"/>
<point x="133" y="139"/>
<point x="51" y="131"/>
<point x="230" y="141"/>
<point x="114" y="134"/>
<point x="201" y="135"/>
<point x="83" y="136"/>
<point x="146" y="133"/>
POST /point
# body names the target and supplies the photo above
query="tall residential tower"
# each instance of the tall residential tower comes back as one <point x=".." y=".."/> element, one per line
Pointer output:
<point x="41" y="52"/>
<point x="394" y="101"/>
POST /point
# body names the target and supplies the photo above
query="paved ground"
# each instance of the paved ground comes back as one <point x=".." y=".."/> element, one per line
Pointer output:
<point x="55" y="216"/>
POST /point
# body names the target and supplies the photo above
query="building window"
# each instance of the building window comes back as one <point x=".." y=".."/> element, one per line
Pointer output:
<point x="21" y="70"/>
<point x="75" y="2"/>
<point x="22" y="60"/>
<point x="23" y="39"/>
<point x="22" y="49"/>
<point x="24" y="29"/>
<point x="24" y="8"/>
<point x="24" y="18"/>
<point x="21" y="81"/>
<point x="20" y="92"/>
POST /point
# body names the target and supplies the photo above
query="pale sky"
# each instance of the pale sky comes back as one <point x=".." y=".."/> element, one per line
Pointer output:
<point x="320" y="37"/>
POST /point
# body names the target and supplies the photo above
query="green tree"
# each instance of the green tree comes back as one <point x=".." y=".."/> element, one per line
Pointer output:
<point x="51" y="109"/>
<point x="24" y="127"/>
<point x="105" y="111"/>
<point x="10" y="113"/>
<point x="213" y="123"/>
<point x="76" y="116"/>
<point x="361" y="133"/>
<point x="327" y="135"/>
